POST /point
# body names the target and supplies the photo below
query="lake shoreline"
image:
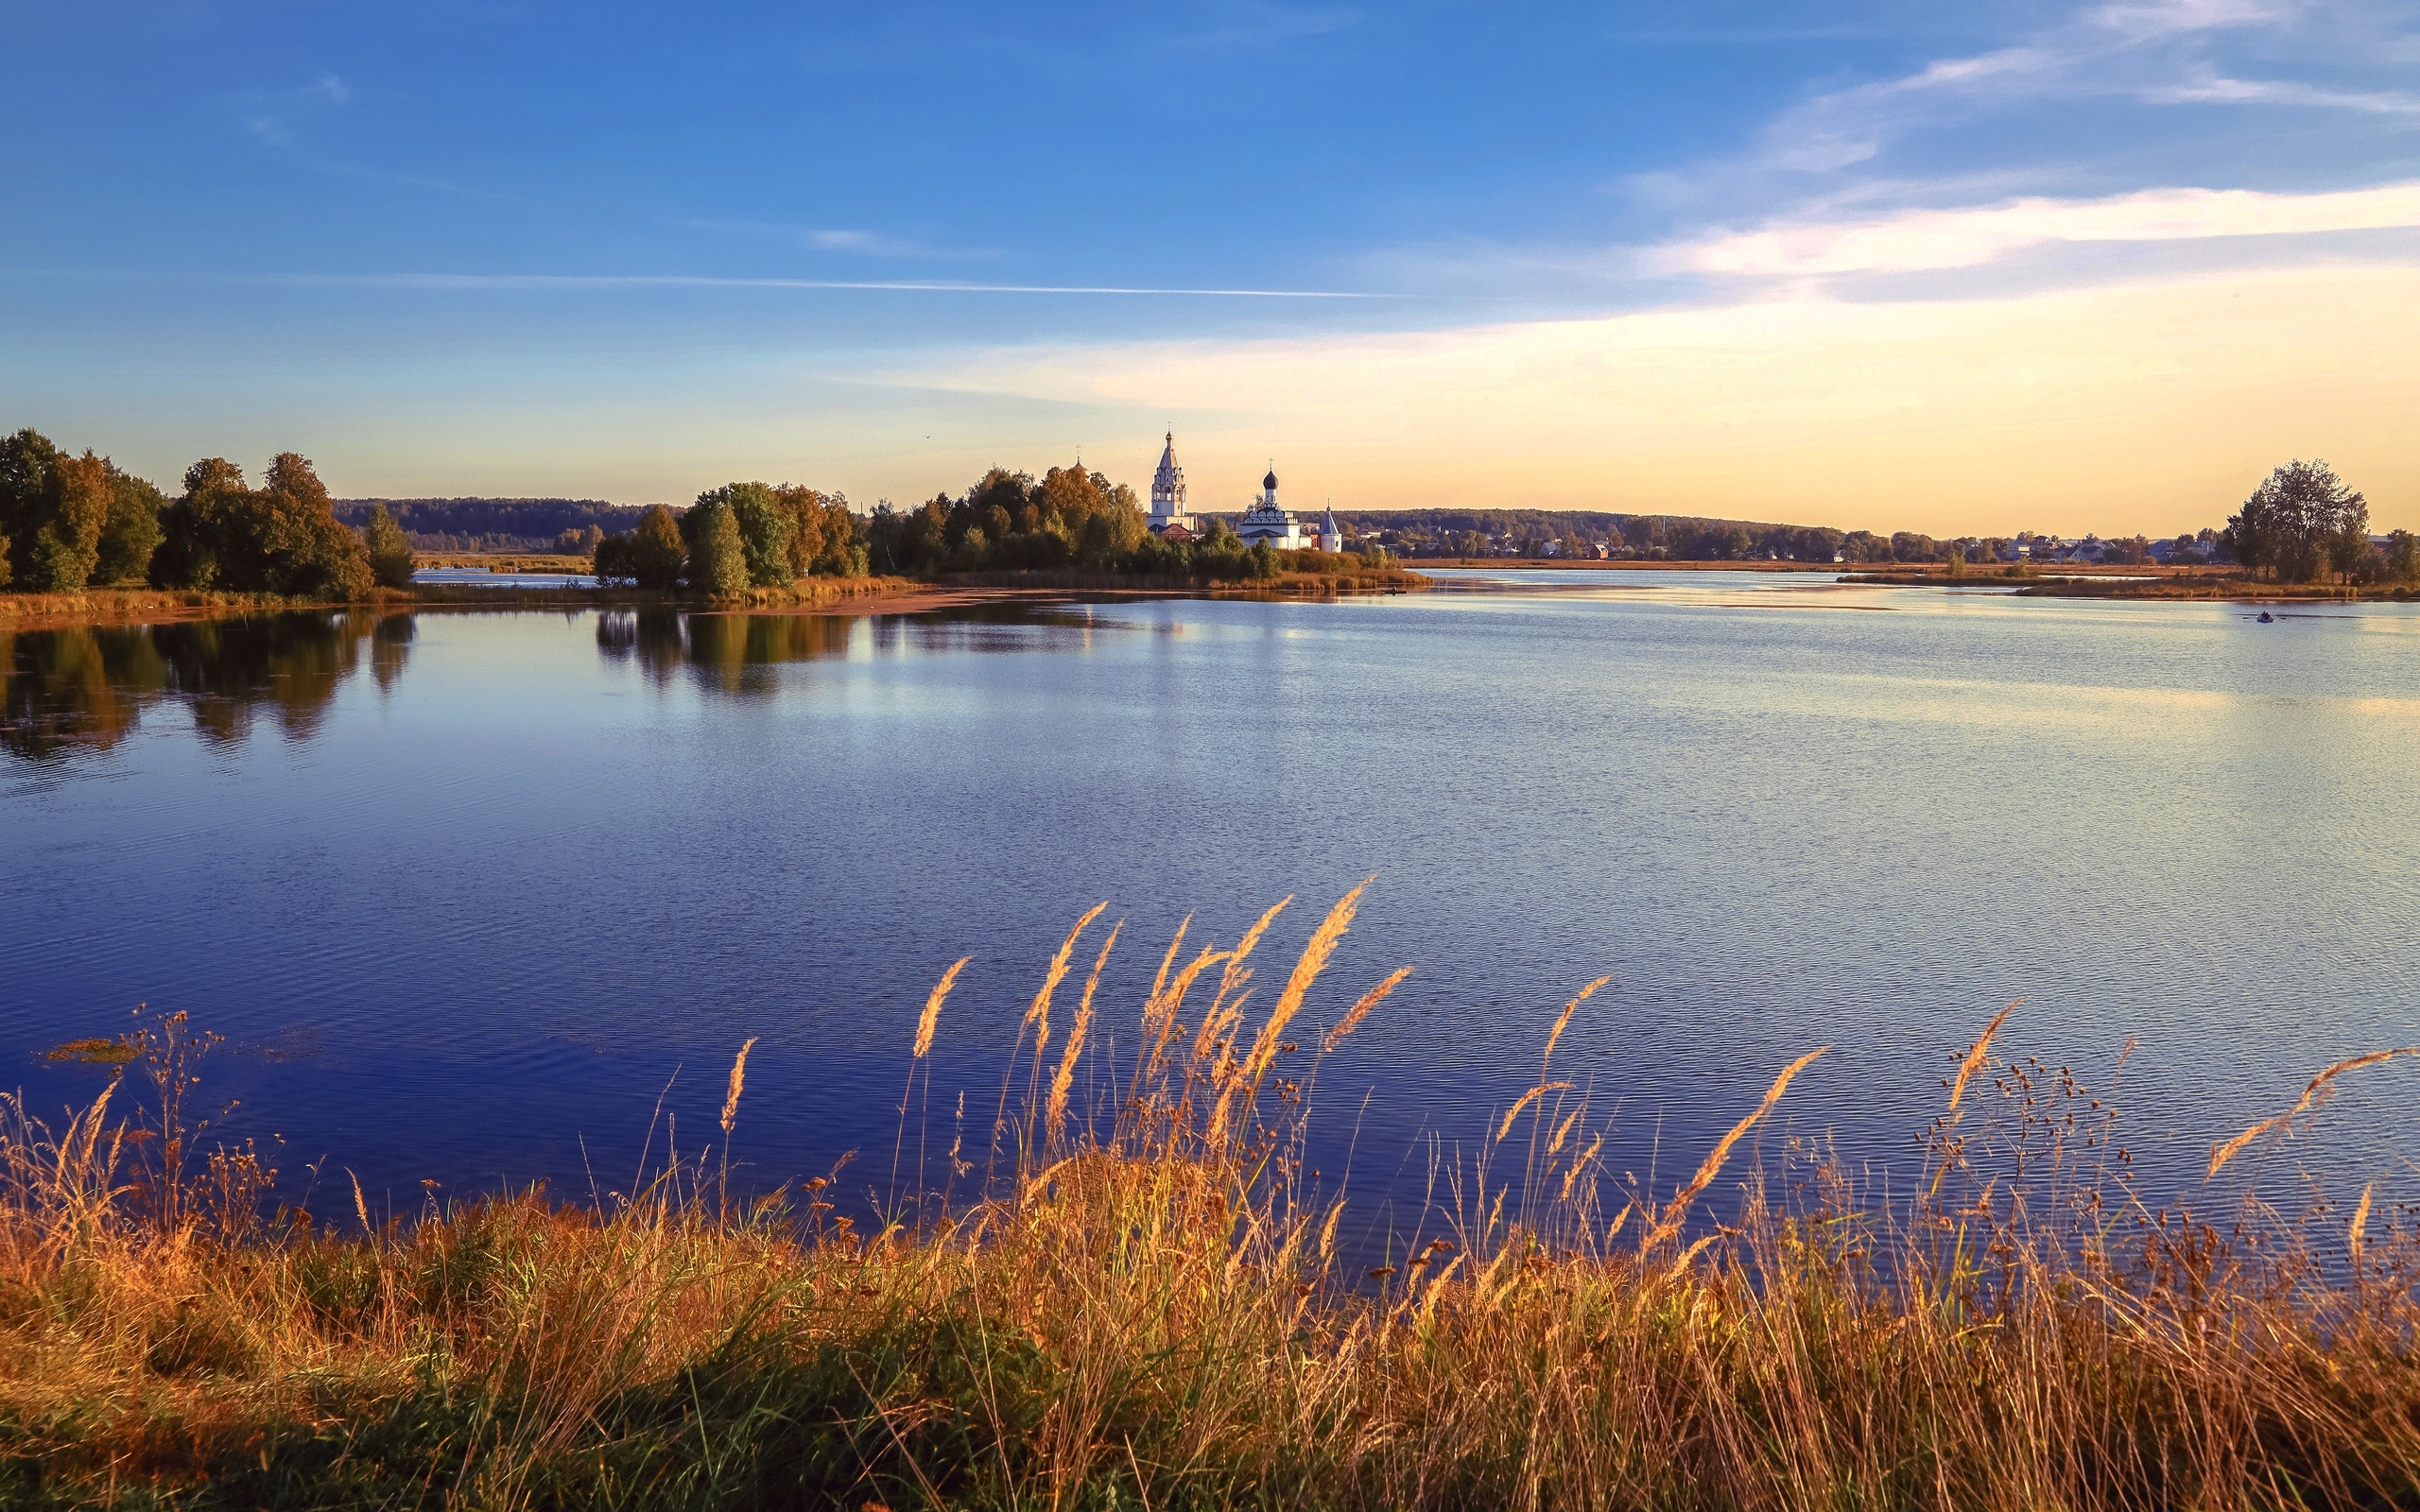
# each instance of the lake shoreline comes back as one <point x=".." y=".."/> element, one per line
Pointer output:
<point x="2174" y="587"/>
<point x="2135" y="581"/>
<point x="100" y="607"/>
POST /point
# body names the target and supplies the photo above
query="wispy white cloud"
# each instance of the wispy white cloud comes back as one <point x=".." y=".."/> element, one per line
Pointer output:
<point x="2165" y="18"/>
<point x="1917" y="240"/>
<point x="1850" y="125"/>
<point x="2219" y="91"/>
<point x="850" y="240"/>
<point x="1744" y="36"/>
<point x="866" y="243"/>
<point x="271" y="114"/>
<point x="2154" y="51"/>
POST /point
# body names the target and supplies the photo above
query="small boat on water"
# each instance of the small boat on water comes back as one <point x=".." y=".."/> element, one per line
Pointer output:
<point x="2267" y="618"/>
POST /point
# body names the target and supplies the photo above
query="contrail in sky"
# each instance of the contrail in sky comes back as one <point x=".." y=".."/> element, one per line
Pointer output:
<point x="574" y="280"/>
<point x="602" y="280"/>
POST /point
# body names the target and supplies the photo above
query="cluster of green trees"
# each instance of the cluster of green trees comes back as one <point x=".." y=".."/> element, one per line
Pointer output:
<point x="1071" y="517"/>
<point x="2302" y="520"/>
<point x="280" y="537"/>
<point x="69" y="523"/>
<point x="739" y="537"/>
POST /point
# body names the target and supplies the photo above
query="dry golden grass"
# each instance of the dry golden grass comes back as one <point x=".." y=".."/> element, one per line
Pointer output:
<point x="1154" y="1306"/>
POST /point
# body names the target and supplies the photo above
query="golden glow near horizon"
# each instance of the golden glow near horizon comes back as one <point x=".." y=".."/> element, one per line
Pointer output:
<point x="2152" y="407"/>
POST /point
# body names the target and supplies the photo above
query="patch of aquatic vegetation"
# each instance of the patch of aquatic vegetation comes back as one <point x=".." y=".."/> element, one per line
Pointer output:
<point x="1129" y="1292"/>
<point x="91" y="1052"/>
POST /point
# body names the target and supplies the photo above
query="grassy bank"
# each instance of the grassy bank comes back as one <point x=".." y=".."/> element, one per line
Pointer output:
<point x="132" y="606"/>
<point x="2221" y="584"/>
<point x="1143" y="1303"/>
<point x="806" y="593"/>
<point x="2232" y="589"/>
<point x="123" y="606"/>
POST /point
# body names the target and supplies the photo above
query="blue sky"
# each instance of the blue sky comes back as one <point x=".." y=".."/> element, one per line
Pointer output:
<point x="2027" y="265"/>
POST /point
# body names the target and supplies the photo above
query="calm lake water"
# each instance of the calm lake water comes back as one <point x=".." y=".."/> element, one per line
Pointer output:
<point x="468" y="891"/>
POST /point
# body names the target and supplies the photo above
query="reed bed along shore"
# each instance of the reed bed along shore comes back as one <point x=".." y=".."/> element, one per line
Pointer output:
<point x="1143" y="1303"/>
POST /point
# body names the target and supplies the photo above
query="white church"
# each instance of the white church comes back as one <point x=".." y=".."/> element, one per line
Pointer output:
<point x="1262" y="519"/>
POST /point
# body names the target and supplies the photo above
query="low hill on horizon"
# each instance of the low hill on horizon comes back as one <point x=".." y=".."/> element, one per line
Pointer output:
<point x="493" y="524"/>
<point x="1546" y="521"/>
<point x="1670" y="537"/>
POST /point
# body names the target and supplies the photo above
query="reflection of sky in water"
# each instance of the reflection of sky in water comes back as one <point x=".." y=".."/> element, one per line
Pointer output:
<point x="504" y="876"/>
<point x="484" y="577"/>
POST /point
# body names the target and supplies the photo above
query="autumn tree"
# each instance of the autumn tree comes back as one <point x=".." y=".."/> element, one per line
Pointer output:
<point x="27" y="479"/>
<point x="132" y="533"/>
<point x="2301" y="521"/>
<point x="2403" y="557"/>
<point x="391" y="555"/>
<point x="67" y="547"/>
<point x="718" y="552"/>
<point x="650" y="557"/>
<point x="823" y="533"/>
<point x="54" y="510"/>
<point x="281" y="538"/>
<point x="764" y="526"/>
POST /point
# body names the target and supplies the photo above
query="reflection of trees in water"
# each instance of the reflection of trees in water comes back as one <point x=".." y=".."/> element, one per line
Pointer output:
<point x="390" y="645"/>
<point x="63" y="691"/>
<point x="719" y="649"/>
<point x="651" y="636"/>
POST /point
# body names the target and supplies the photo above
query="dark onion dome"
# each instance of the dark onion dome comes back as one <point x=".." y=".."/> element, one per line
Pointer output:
<point x="1271" y="481"/>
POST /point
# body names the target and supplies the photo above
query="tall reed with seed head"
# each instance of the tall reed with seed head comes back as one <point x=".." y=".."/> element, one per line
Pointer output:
<point x="731" y="1116"/>
<point x="1037" y="1018"/>
<point x="1054" y="1116"/>
<point x="1564" y="1017"/>
<point x="2319" y="1088"/>
<point x="1678" y="1208"/>
<point x="925" y="1022"/>
<point x="1245" y="1081"/>
<point x="738" y="1082"/>
<point x="1974" y="1061"/>
<point x="1362" y="1006"/>
<point x="1306" y="969"/>
<point x="932" y="1014"/>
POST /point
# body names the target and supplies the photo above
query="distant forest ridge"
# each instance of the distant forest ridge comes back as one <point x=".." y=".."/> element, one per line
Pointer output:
<point x="493" y="524"/>
<point x="1549" y="523"/>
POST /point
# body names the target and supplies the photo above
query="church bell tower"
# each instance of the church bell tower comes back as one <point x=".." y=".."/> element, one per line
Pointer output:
<point x="1167" y="491"/>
